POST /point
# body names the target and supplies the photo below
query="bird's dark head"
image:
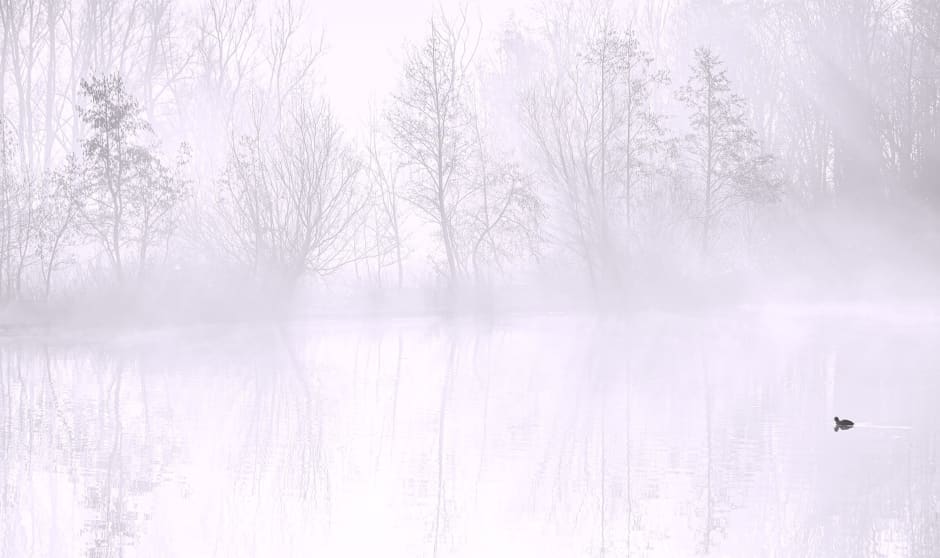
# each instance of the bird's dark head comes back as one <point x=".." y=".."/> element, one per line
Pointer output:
<point x="836" y="419"/>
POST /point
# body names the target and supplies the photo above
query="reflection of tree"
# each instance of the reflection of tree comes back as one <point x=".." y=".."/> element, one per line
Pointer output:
<point x="118" y="465"/>
<point x="603" y="468"/>
<point x="709" y="524"/>
<point x="313" y="475"/>
<point x="445" y="388"/>
<point x="389" y="424"/>
<point x="620" y="456"/>
<point x="397" y="383"/>
<point x="113" y="523"/>
<point x="628" y="488"/>
<point x="486" y="408"/>
<point x="923" y="497"/>
<point x="725" y="468"/>
<point x="587" y="473"/>
<point x="285" y="428"/>
<point x="8" y="457"/>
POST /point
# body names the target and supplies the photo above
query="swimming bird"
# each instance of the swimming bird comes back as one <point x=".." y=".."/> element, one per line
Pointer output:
<point x="843" y="424"/>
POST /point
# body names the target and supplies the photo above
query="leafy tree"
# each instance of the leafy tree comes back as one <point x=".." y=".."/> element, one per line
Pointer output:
<point x="722" y="147"/>
<point x="127" y="194"/>
<point x="629" y="90"/>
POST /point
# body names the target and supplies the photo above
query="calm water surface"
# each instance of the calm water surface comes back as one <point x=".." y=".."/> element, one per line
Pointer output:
<point x="536" y="436"/>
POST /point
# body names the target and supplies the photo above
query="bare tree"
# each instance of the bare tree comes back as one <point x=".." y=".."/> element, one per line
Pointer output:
<point x="288" y="201"/>
<point x="383" y="170"/>
<point x="503" y="224"/>
<point x="152" y="208"/>
<point x="594" y="129"/>
<point x="431" y="128"/>
<point x="17" y="214"/>
<point x="238" y="53"/>
<point x="226" y="47"/>
<point x="290" y="58"/>
<point x="22" y="44"/>
<point x="166" y="58"/>
<point x="56" y="219"/>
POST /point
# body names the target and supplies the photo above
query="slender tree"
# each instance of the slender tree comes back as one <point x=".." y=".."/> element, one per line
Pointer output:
<point x="56" y="220"/>
<point x="722" y="148"/>
<point x="384" y="170"/>
<point x="637" y="129"/>
<point x="563" y="118"/>
<point x="431" y="127"/>
<point x="18" y="209"/>
<point x="127" y="194"/>
<point x="593" y="122"/>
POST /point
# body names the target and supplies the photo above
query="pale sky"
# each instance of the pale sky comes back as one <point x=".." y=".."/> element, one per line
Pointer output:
<point x="365" y="39"/>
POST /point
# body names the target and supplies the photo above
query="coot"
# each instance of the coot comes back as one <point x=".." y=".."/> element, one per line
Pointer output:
<point x="843" y="424"/>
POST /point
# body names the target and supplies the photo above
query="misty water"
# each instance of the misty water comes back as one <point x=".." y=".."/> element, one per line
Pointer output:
<point x="529" y="436"/>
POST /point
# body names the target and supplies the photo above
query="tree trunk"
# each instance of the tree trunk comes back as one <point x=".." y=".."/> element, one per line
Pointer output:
<point x="708" y="456"/>
<point x="116" y="250"/>
<point x="142" y="251"/>
<point x="50" y="89"/>
<point x="398" y="258"/>
<point x="706" y="220"/>
<point x="446" y="232"/>
<point x="438" y="517"/>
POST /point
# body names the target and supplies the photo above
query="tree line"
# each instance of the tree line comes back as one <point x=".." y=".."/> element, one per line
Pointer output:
<point x="591" y="146"/>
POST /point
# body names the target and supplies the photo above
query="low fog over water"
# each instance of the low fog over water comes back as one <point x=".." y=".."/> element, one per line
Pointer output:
<point x="549" y="436"/>
<point x="526" y="278"/>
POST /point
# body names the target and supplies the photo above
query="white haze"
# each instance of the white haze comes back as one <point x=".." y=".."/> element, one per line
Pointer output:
<point x="526" y="278"/>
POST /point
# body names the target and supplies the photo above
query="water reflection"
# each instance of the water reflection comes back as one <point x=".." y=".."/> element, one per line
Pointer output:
<point x="552" y="436"/>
